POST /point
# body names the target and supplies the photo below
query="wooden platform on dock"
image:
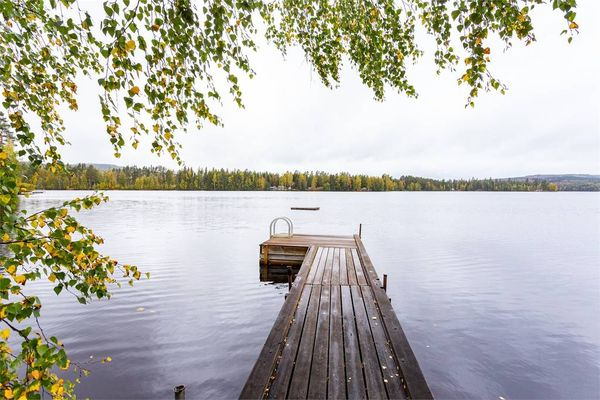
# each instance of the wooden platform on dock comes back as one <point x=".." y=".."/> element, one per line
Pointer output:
<point x="337" y="335"/>
<point x="292" y="250"/>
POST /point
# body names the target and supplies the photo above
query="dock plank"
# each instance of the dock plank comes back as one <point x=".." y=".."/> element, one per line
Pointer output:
<point x="390" y="370"/>
<point x="336" y="385"/>
<point x="328" y="267"/>
<point x="299" y="385"/>
<point x="335" y="267"/>
<point x="343" y="267"/>
<point x="360" y="275"/>
<point x="319" y="370"/>
<point x="350" y="267"/>
<point x="372" y="369"/>
<point x="321" y="267"/>
<point x="312" y="240"/>
<point x="355" y="382"/>
<point x="283" y="371"/>
<point x="314" y="266"/>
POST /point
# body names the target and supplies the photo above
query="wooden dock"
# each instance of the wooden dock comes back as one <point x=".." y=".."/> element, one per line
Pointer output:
<point x="337" y="335"/>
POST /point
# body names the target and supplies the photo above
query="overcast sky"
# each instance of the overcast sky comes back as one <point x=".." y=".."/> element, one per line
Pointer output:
<point x="548" y="122"/>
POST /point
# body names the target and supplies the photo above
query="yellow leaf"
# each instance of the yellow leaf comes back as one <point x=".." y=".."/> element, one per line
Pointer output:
<point x="5" y="237"/>
<point x="573" y="25"/>
<point x="5" y="333"/>
<point x="135" y="90"/>
<point x="67" y="365"/>
<point x="11" y="269"/>
<point x="8" y="393"/>
<point x="108" y="359"/>
<point x="35" y="374"/>
<point x="51" y="277"/>
<point x="130" y="45"/>
<point x="168" y="135"/>
<point x="3" y="155"/>
<point x="20" y="279"/>
<point x="67" y="236"/>
<point x="70" y="229"/>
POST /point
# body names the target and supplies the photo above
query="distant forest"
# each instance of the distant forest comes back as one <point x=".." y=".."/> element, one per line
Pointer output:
<point x="83" y="176"/>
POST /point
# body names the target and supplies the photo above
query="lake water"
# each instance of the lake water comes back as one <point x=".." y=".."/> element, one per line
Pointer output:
<point x="498" y="293"/>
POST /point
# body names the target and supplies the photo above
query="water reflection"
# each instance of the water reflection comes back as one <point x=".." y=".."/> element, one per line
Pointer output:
<point x="498" y="292"/>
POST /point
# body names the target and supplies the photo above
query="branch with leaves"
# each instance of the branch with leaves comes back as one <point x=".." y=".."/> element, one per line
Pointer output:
<point x="51" y="245"/>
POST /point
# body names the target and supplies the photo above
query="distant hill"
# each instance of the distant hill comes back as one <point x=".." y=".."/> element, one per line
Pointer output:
<point x="566" y="182"/>
<point x="105" y="167"/>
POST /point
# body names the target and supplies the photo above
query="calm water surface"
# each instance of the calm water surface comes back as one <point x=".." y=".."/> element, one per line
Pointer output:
<point x="499" y="293"/>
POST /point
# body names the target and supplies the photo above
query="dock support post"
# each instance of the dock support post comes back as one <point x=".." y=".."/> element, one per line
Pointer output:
<point x="385" y="282"/>
<point x="179" y="392"/>
<point x="289" y="274"/>
<point x="360" y="230"/>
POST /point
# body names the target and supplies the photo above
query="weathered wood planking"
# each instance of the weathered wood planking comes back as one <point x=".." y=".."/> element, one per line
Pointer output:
<point x="355" y="381"/>
<point x="336" y="387"/>
<point x="260" y="377"/>
<point x="318" y="372"/>
<point x="336" y="335"/>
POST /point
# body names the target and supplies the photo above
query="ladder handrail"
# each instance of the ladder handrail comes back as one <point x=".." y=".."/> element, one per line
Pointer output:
<point x="273" y="225"/>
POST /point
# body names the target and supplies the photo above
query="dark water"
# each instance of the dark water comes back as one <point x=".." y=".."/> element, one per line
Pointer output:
<point x="499" y="293"/>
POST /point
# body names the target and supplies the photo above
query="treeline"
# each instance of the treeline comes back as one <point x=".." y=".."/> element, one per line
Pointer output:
<point x="84" y="177"/>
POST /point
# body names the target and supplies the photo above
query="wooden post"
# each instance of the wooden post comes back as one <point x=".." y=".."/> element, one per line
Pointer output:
<point x="289" y="274"/>
<point x="360" y="230"/>
<point x="267" y="256"/>
<point x="385" y="282"/>
<point x="179" y="392"/>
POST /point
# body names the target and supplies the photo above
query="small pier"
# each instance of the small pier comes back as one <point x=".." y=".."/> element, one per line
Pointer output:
<point x="337" y="335"/>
